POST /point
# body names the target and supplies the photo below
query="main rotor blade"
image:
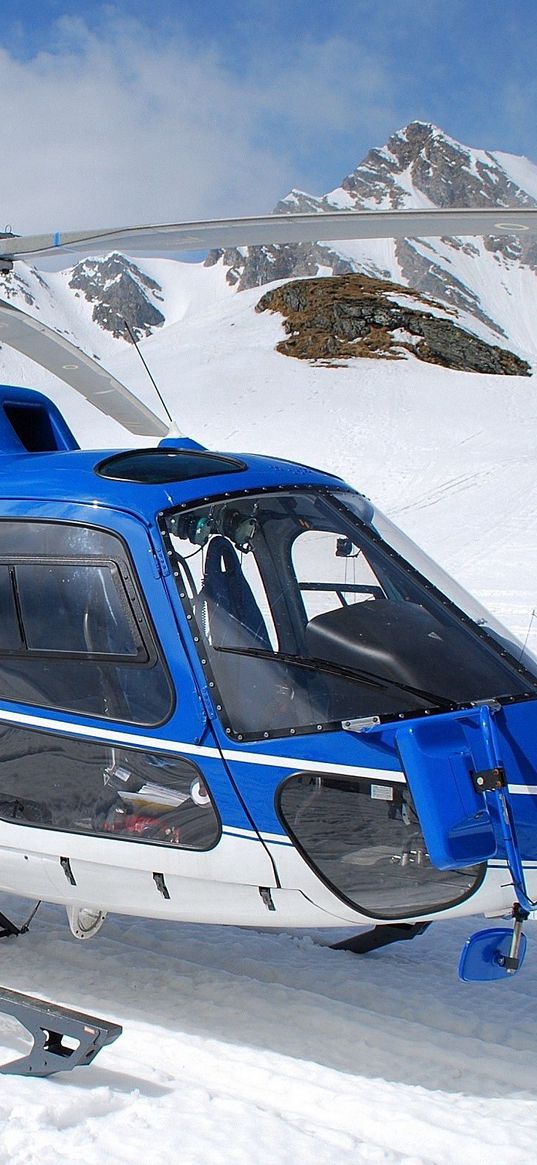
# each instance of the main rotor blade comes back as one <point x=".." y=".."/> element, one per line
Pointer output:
<point x="45" y="346"/>
<point x="278" y="228"/>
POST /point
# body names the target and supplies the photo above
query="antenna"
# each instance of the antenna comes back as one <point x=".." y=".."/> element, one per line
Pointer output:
<point x="532" y="617"/>
<point x="150" y="375"/>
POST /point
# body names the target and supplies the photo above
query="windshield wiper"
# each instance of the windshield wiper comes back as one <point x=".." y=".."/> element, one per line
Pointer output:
<point x="314" y="663"/>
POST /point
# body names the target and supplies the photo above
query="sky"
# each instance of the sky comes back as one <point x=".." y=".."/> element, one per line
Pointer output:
<point x="160" y="111"/>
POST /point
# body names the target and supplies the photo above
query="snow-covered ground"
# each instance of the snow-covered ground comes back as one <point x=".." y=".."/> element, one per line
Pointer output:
<point x="240" y="1046"/>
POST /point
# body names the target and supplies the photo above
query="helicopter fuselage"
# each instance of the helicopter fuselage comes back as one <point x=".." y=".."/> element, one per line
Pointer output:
<point x="220" y="677"/>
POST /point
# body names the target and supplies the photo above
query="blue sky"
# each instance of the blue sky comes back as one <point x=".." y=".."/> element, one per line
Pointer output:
<point x="161" y="110"/>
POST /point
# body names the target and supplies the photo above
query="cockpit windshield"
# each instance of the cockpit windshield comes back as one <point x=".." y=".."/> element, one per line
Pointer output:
<point x="309" y="609"/>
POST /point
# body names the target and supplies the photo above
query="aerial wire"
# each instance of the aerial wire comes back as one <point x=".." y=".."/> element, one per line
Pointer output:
<point x="533" y="616"/>
<point x="149" y="373"/>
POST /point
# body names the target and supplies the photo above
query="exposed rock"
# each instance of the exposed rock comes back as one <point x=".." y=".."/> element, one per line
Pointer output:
<point x="430" y="277"/>
<point x="256" y="266"/>
<point x="447" y="172"/>
<point x="298" y="202"/>
<point x="120" y="292"/>
<point x="336" y="319"/>
<point x="14" y="286"/>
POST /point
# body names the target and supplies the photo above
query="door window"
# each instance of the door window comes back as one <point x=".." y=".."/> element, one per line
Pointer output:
<point x="363" y="837"/>
<point x="81" y="786"/>
<point x="74" y="632"/>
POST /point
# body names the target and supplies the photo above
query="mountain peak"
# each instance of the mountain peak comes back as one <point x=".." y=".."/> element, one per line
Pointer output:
<point x="425" y="129"/>
<point x="421" y="162"/>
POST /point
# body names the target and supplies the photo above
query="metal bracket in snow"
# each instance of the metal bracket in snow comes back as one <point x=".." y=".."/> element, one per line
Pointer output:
<point x="63" y="1039"/>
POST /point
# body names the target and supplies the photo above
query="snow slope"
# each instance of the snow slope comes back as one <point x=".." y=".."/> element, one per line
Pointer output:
<point x="240" y="1046"/>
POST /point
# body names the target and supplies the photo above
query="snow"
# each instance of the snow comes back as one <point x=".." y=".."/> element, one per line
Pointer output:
<point x="341" y="199"/>
<point x="520" y="169"/>
<point x="242" y="1046"/>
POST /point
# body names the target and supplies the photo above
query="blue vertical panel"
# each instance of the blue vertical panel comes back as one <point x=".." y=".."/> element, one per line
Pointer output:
<point x="438" y="764"/>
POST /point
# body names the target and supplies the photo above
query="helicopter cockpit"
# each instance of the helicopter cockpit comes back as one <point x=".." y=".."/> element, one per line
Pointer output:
<point x="307" y="616"/>
<point x="311" y="613"/>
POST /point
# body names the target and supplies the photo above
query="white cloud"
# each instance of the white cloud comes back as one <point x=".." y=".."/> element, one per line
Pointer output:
<point x="124" y="126"/>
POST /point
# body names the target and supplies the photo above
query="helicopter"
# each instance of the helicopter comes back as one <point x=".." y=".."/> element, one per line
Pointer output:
<point x="231" y="690"/>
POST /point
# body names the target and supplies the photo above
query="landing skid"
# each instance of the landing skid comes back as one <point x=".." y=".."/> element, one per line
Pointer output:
<point x="381" y="936"/>
<point x="9" y="929"/>
<point x="62" y="1039"/>
<point x="50" y="1025"/>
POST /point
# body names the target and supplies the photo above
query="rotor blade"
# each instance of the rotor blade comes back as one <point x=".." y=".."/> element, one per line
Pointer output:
<point x="45" y="346"/>
<point x="279" y="228"/>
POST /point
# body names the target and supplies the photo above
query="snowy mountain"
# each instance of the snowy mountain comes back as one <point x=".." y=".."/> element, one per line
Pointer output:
<point x="421" y="167"/>
<point x="491" y="283"/>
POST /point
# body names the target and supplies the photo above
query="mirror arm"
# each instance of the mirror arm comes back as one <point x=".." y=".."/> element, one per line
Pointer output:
<point x="498" y="792"/>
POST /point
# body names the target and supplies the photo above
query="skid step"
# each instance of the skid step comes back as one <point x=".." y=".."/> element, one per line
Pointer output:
<point x="50" y="1025"/>
<point x="381" y="936"/>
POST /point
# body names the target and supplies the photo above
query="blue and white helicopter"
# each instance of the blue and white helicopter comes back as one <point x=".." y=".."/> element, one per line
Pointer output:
<point x="231" y="691"/>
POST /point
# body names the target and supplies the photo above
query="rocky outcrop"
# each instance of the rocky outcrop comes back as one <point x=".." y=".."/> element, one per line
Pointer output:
<point x="121" y="294"/>
<point x="334" y="319"/>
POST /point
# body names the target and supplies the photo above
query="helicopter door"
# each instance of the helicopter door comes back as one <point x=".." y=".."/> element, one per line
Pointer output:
<point x="108" y="744"/>
<point x="442" y="762"/>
